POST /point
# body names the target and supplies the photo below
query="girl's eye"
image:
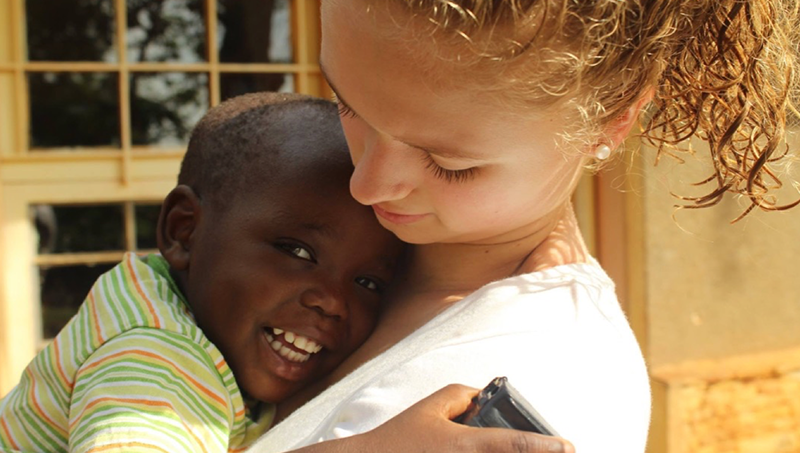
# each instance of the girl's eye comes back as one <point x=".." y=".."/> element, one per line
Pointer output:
<point x="344" y="110"/>
<point x="447" y="175"/>
<point x="298" y="251"/>
<point x="370" y="284"/>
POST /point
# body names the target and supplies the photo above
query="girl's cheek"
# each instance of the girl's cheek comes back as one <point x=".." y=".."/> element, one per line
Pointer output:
<point x="355" y="132"/>
<point x="353" y="125"/>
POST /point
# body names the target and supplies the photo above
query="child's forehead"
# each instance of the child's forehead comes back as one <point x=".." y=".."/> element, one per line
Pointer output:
<point x="299" y="217"/>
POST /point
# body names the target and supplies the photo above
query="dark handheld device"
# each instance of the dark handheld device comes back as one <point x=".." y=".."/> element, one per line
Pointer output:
<point x="500" y="405"/>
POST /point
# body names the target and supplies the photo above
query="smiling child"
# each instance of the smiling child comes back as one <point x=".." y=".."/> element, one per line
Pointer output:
<point x="270" y="275"/>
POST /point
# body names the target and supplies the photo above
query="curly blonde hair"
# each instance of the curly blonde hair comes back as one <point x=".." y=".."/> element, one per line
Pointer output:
<point x="723" y="70"/>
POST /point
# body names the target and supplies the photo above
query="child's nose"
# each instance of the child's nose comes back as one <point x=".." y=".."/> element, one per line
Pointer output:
<point x="326" y="300"/>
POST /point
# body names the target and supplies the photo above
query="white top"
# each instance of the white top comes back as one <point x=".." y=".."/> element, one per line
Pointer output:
<point x="560" y="337"/>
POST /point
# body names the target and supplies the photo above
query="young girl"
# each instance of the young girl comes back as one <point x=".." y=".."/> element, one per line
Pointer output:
<point x="469" y="122"/>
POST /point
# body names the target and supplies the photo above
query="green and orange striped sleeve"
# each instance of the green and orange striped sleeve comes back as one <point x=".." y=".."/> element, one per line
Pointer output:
<point x="150" y="390"/>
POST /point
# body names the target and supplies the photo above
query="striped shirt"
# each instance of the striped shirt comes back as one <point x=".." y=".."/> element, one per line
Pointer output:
<point x="130" y="372"/>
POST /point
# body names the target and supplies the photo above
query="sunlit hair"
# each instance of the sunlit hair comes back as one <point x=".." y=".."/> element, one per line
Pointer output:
<point x="725" y="71"/>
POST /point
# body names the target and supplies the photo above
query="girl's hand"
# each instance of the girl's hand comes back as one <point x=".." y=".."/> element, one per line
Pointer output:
<point x="427" y="427"/>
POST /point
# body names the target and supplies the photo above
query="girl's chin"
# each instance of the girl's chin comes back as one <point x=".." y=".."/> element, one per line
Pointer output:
<point x="409" y="234"/>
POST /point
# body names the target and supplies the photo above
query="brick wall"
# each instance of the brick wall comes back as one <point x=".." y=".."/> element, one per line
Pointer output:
<point x="760" y="415"/>
<point x="741" y="405"/>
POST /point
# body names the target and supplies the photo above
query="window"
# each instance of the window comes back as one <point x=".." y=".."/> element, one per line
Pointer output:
<point x="99" y="98"/>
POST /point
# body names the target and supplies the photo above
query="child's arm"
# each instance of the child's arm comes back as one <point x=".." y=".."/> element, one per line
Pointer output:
<point x="149" y="390"/>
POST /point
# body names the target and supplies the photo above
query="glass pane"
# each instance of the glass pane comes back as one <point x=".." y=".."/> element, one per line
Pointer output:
<point x="254" y="31"/>
<point x="74" y="109"/>
<point x="70" y="31"/>
<point x="166" y="106"/>
<point x="166" y="30"/>
<point x="235" y="84"/>
<point x="63" y="289"/>
<point x="146" y="221"/>
<point x="68" y="229"/>
<point x="44" y="220"/>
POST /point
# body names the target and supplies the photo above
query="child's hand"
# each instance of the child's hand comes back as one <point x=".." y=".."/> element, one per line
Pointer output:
<point x="427" y="427"/>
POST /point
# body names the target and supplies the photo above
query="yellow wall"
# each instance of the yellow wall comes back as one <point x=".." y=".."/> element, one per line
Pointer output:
<point x="713" y="289"/>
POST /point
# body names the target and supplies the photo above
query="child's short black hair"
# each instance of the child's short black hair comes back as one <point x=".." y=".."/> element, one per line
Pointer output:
<point x="241" y="142"/>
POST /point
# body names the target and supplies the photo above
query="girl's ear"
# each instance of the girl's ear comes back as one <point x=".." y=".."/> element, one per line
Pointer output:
<point x="619" y="129"/>
<point x="177" y="222"/>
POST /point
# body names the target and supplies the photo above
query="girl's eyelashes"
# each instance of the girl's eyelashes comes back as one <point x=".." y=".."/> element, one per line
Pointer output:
<point x="447" y="175"/>
<point x="297" y="250"/>
<point x="345" y="111"/>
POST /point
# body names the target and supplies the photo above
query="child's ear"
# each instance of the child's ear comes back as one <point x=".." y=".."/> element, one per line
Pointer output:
<point x="177" y="222"/>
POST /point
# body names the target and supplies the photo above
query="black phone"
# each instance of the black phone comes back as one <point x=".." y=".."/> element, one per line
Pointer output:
<point x="500" y="405"/>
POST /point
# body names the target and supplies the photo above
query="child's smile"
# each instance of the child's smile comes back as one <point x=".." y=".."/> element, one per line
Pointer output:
<point x="293" y="356"/>
<point x="291" y="346"/>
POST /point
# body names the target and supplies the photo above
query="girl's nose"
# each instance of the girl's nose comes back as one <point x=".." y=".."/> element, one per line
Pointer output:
<point x="384" y="171"/>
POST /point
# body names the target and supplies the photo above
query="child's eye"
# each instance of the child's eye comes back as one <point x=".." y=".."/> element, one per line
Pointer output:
<point x="370" y="284"/>
<point x="297" y="250"/>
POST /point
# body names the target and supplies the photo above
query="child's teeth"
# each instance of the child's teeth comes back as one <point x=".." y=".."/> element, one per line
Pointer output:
<point x="288" y="353"/>
<point x="307" y="344"/>
<point x="284" y="351"/>
<point x="300" y="342"/>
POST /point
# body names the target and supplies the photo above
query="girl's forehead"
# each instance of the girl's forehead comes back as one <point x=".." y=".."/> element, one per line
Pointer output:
<point x="491" y="30"/>
<point x="510" y="62"/>
<point x="386" y="30"/>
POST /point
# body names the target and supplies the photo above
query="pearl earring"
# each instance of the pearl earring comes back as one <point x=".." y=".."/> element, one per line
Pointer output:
<point x="602" y="152"/>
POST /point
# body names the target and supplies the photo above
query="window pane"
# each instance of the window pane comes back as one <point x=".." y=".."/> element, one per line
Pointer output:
<point x="146" y="220"/>
<point x="236" y="84"/>
<point x="70" y="30"/>
<point x="44" y="220"/>
<point x="166" y="106"/>
<point x="166" y="30"/>
<point x="74" y="109"/>
<point x="254" y="31"/>
<point x="63" y="289"/>
<point x="67" y="229"/>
